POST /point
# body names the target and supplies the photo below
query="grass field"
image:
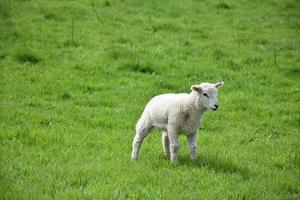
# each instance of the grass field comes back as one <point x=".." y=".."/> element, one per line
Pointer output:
<point x="76" y="75"/>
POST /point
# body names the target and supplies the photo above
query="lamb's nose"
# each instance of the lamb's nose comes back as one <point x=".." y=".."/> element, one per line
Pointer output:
<point x="216" y="106"/>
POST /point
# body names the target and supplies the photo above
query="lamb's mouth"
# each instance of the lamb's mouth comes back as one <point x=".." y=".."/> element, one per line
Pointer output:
<point x="214" y="109"/>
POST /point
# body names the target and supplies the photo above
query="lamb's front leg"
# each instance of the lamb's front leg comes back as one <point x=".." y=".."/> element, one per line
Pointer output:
<point x="192" y="140"/>
<point x="174" y="144"/>
<point x="165" y="143"/>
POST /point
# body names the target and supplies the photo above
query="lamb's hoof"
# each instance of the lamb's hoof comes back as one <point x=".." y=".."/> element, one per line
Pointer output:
<point x="134" y="158"/>
<point x="174" y="162"/>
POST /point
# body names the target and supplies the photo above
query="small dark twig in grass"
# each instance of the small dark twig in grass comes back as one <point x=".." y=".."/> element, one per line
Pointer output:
<point x="275" y="56"/>
<point x="238" y="42"/>
<point x="94" y="8"/>
<point x="73" y="28"/>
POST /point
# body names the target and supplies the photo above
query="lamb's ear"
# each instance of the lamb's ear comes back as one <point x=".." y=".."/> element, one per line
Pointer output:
<point x="196" y="88"/>
<point x="218" y="84"/>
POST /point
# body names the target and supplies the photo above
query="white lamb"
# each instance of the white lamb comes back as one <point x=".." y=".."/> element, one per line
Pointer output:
<point x="176" y="113"/>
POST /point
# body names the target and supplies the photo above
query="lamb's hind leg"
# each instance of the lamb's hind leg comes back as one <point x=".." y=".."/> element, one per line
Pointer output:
<point x="165" y="143"/>
<point x="174" y="144"/>
<point x="142" y="130"/>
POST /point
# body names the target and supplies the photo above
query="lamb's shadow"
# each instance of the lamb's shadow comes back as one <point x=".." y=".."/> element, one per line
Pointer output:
<point x="217" y="165"/>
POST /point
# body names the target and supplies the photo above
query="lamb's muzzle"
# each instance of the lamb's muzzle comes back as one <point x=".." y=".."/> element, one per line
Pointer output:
<point x="215" y="107"/>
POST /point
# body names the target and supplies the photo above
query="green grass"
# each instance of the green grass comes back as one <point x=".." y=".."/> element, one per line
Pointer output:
<point x="76" y="75"/>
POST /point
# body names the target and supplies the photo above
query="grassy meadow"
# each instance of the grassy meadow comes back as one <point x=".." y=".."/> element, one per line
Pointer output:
<point x="76" y="75"/>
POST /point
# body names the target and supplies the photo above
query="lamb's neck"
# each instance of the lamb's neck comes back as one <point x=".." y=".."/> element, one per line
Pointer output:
<point x="195" y="103"/>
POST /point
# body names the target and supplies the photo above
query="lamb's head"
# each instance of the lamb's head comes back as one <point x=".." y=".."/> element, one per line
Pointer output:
<point x="208" y="94"/>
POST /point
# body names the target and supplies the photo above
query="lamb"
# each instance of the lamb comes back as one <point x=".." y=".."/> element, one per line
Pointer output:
<point x="174" y="114"/>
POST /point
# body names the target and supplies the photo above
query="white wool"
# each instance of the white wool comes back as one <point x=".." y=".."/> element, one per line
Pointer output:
<point x="174" y="114"/>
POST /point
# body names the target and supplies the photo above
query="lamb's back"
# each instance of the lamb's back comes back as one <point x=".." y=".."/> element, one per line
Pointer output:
<point x="159" y="106"/>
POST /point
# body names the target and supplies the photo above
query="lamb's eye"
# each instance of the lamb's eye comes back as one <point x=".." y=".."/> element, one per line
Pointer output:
<point x="204" y="94"/>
